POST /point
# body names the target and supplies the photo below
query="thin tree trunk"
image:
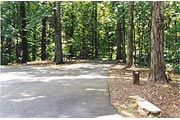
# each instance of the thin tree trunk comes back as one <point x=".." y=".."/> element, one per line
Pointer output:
<point x="124" y="39"/>
<point x="130" y="35"/>
<point x="34" y="51"/>
<point x="9" y="41"/>
<point x="24" y="33"/>
<point x="43" y="42"/>
<point x="72" y="22"/>
<point x="134" y="46"/>
<point x="157" y="68"/>
<point x="139" y="45"/>
<point x="143" y="47"/>
<point x="119" y="41"/>
<point x="95" y="31"/>
<point x="92" y="29"/>
<point x="58" y="41"/>
<point x="17" y="47"/>
<point x="17" y="51"/>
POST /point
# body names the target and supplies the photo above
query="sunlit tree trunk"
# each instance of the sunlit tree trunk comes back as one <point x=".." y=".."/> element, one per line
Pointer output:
<point x="130" y="35"/>
<point x="157" y="65"/>
<point x="57" y="26"/>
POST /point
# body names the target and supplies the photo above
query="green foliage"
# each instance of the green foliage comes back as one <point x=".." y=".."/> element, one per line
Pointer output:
<point x="77" y="20"/>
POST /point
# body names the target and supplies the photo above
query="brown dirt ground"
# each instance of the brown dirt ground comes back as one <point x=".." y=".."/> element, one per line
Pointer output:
<point x="166" y="97"/>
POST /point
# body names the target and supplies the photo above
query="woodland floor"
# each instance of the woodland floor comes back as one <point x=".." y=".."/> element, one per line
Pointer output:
<point x="166" y="97"/>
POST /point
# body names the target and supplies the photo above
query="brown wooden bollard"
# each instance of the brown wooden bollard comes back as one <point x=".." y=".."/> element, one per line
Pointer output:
<point x="136" y="77"/>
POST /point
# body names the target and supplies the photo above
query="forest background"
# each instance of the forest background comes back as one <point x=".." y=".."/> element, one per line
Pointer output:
<point x="88" y="30"/>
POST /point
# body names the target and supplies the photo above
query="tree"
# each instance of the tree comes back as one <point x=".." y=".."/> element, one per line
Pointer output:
<point x="95" y="40"/>
<point x="119" y="31"/>
<point x="43" y="42"/>
<point x="119" y="41"/>
<point x="89" y="29"/>
<point x="24" y="32"/>
<point x="130" y="35"/>
<point x="157" y="65"/>
<point x="57" y="28"/>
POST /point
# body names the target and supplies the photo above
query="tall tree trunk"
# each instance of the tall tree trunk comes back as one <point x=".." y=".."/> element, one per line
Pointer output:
<point x="57" y="27"/>
<point x="94" y="31"/>
<point x="119" y="41"/>
<point x="124" y="39"/>
<point x="43" y="42"/>
<point x="134" y="46"/>
<point x="34" y="50"/>
<point x="157" y="68"/>
<point x="83" y="47"/>
<point x="9" y="40"/>
<point x="130" y="35"/>
<point x="72" y="22"/>
<point x="9" y="51"/>
<point x="139" y="48"/>
<point x="17" y="51"/>
<point x="17" y="22"/>
<point x="24" y="33"/>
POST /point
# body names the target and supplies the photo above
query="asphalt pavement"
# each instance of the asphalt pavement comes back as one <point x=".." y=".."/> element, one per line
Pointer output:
<point x="56" y="91"/>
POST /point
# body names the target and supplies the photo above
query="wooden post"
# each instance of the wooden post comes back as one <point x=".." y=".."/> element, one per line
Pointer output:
<point x="136" y="77"/>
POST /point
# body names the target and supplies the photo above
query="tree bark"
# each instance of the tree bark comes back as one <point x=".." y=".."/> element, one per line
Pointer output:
<point x="130" y="35"/>
<point x="24" y="33"/>
<point x="157" y="66"/>
<point x="43" y="42"/>
<point x="34" y="50"/>
<point x="119" y="41"/>
<point x="17" y="26"/>
<point x="57" y="27"/>
<point x="124" y="39"/>
<point x="9" y="50"/>
<point x="95" y="31"/>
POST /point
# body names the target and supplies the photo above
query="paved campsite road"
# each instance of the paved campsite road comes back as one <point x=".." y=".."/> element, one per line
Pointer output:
<point x="72" y="91"/>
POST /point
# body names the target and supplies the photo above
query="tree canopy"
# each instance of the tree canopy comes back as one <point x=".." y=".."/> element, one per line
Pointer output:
<point x="88" y="30"/>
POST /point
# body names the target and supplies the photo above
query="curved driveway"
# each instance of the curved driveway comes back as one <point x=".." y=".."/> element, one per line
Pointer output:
<point x="75" y="91"/>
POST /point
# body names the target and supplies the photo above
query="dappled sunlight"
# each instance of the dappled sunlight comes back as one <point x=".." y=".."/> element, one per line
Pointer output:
<point x="27" y="99"/>
<point x="24" y="96"/>
<point x="28" y="94"/>
<point x="51" y="73"/>
<point x="63" y="116"/>
<point x="83" y="65"/>
<point x="129" y="78"/>
<point x="66" y="84"/>
<point x="45" y="73"/>
<point x="127" y="114"/>
<point x="9" y="76"/>
<point x="5" y="96"/>
<point x="4" y="85"/>
<point x="93" y="89"/>
<point x="84" y="76"/>
<point x="57" y="90"/>
<point x="113" y="117"/>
